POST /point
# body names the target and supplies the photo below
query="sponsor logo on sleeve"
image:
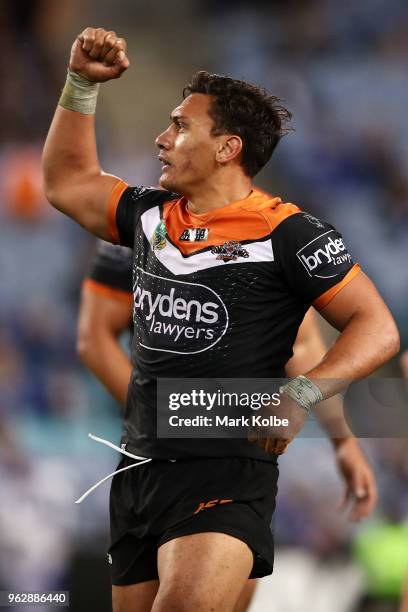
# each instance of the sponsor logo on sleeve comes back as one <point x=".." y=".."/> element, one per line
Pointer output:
<point x="323" y="256"/>
<point x="176" y="316"/>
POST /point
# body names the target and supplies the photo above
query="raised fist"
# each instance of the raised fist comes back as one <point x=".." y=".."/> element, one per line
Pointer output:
<point x="98" y="55"/>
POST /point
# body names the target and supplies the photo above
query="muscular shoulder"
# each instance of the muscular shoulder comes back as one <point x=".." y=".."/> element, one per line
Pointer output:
<point x="131" y="205"/>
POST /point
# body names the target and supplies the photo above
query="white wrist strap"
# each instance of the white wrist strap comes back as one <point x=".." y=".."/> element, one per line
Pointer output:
<point x="79" y="94"/>
<point x="303" y="391"/>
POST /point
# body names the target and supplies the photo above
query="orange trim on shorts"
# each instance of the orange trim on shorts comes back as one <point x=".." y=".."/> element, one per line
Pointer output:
<point x="106" y="291"/>
<point x="328" y="295"/>
<point x="113" y="202"/>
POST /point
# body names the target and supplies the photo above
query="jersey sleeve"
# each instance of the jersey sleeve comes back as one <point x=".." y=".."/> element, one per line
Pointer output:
<point x="314" y="259"/>
<point x="110" y="273"/>
<point x="125" y="207"/>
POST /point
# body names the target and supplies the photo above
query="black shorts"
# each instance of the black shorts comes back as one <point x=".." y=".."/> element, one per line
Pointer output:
<point x="163" y="500"/>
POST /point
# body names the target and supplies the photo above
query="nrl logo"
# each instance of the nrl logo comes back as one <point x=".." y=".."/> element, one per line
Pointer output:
<point x="230" y="251"/>
<point x="158" y="240"/>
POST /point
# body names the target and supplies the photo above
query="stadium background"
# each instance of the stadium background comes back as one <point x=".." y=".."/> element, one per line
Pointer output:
<point x="341" y="67"/>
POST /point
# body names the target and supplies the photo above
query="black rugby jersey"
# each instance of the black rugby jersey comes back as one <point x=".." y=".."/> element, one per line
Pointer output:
<point x="220" y="294"/>
<point x="110" y="272"/>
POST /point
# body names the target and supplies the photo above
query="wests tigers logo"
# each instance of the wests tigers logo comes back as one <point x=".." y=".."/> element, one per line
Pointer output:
<point x="230" y="251"/>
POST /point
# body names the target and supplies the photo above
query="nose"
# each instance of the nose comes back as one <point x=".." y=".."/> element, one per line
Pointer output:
<point x="163" y="140"/>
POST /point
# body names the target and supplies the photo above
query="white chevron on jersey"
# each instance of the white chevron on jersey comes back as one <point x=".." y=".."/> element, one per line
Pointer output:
<point x="172" y="259"/>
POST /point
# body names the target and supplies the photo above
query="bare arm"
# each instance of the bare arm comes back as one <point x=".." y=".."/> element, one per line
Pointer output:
<point x="102" y="320"/>
<point x="369" y="336"/>
<point x="404" y="600"/>
<point x="309" y="347"/>
<point x="360" y="485"/>
<point x="404" y="364"/>
<point x="404" y="594"/>
<point x="368" y="339"/>
<point x="73" y="180"/>
<point x="308" y="350"/>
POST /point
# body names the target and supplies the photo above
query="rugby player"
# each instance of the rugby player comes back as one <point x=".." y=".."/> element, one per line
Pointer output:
<point x="106" y="313"/>
<point x="223" y="276"/>
<point x="404" y="600"/>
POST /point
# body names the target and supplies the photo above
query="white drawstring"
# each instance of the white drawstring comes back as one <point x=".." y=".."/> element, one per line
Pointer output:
<point x="111" y="445"/>
<point x="141" y="461"/>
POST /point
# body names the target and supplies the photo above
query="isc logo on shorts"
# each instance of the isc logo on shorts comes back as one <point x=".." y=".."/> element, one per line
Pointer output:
<point x="210" y="504"/>
<point x="322" y="256"/>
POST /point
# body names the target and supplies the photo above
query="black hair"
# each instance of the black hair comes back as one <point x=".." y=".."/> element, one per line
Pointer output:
<point x="244" y="110"/>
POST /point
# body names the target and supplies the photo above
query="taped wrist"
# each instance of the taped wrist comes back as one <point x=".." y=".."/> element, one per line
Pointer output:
<point x="79" y="94"/>
<point x="303" y="391"/>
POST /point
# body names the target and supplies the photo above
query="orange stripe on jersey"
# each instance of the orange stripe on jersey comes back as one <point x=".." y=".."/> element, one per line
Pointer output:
<point x="328" y="295"/>
<point x="252" y="218"/>
<point x="113" y="202"/>
<point x="106" y="291"/>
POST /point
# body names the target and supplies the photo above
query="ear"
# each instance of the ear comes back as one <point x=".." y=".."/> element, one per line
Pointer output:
<point x="229" y="148"/>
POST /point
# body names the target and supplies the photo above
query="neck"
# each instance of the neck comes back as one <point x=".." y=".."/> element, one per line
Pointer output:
<point x="218" y="195"/>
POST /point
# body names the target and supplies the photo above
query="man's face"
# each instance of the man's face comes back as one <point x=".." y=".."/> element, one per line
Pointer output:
<point x="187" y="148"/>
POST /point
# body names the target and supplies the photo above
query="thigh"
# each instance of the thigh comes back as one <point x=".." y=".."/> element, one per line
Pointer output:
<point x="246" y="596"/>
<point x="201" y="572"/>
<point x="134" y="597"/>
<point x="234" y="496"/>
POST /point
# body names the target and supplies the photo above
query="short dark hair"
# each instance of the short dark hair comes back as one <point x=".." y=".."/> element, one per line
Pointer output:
<point x="246" y="110"/>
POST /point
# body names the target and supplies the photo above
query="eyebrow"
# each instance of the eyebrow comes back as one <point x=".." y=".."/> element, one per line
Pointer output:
<point x="177" y="117"/>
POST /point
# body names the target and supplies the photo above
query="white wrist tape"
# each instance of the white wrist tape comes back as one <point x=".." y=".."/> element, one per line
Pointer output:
<point x="303" y="391"/>
<point x="79" y="94"/>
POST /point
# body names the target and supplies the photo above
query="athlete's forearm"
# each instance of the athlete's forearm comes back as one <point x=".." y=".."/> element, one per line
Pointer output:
<point x="308" y="351"/>
<point x="367" y="341"/>
<point x="70" y="152"/>
<point x="104" y="356"/>
<point x="330" y="412"/>
<point x="73" y="180"/>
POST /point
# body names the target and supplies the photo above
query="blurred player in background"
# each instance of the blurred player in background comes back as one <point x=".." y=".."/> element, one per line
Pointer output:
<point x="106" y="313"/>
<point x="209" y="214"/>
<point x="404" y="601"/>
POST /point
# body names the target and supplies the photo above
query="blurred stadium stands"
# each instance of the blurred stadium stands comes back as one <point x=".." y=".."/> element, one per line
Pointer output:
<point x="341" y="69"/>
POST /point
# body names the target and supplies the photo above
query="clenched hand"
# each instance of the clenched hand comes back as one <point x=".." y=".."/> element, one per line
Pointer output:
<point x="99" y="55"/>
